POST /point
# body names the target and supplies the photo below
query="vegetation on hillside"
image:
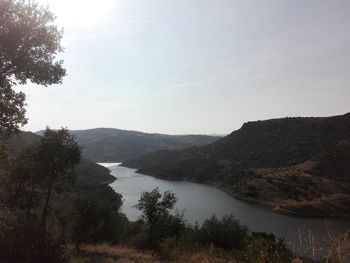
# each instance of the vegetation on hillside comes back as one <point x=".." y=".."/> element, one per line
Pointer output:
<point x="294" y="165"/>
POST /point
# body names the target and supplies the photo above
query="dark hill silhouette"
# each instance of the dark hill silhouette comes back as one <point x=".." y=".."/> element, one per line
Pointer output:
<point x="296" y="165"/>
<point x="115" y="145"/>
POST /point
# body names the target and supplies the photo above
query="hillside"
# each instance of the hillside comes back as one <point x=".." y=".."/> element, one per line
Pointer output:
<point x="294" y="165"/>
<point x="115" y="145"/>
<point x="90" y="173"/>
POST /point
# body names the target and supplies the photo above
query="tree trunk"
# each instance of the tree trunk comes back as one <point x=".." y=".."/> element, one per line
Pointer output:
<point x="46" y="206"/>
<point x="30" y="200"/>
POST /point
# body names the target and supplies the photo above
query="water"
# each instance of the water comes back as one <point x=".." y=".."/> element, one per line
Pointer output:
<point x="198" y="202"/>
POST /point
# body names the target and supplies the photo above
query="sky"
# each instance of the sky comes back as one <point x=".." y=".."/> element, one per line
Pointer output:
<point x="195" y="66"/>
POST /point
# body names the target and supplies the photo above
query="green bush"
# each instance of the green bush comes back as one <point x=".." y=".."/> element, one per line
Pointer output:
<point x="98" y="218"/>
<point x="262" y="246"/>
<point x="135" y="234"/>
<point x="226" y="233"/>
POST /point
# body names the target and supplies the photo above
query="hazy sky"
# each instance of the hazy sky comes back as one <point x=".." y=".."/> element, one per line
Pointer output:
<point x="195" y="66"/>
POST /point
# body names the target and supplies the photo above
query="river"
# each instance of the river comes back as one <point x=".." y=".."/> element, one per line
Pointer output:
<point x="198" y="202"/>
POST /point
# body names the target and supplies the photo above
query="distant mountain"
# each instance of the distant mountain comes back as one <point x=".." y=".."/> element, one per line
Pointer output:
<point x="89" y="172"/>
<point x="114" y="145"/>
<point x="294" y="165"/>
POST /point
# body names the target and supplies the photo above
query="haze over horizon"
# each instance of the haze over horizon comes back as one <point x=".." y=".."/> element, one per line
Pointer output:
<point x="181" y="67"/>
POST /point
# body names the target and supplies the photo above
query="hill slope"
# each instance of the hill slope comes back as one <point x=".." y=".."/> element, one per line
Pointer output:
<point x="114" y="145"/>
<point x="294" y="165"/>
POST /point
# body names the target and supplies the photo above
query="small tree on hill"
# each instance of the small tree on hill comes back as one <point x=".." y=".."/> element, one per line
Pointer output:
<point x="155" y="208"/>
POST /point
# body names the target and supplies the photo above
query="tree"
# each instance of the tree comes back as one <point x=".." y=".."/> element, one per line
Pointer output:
<point x="43" y="169"/>
<point x="29" y="43"/>
<point x="57" y="156"/>
<point x="23" y="183"/>
<point x="156" y="209"/>
<point x="40" y="181"/>
<point x="97" y="216"/>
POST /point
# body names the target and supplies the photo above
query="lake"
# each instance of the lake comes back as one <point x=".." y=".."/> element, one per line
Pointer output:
<point x="198" y="202"/>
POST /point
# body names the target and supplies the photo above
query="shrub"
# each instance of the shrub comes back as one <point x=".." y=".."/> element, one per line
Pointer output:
<point x="226" y="233"/>
<point x="262" y="247"/>
<point x="97" y="218"/>
<point x="23" y="241"/>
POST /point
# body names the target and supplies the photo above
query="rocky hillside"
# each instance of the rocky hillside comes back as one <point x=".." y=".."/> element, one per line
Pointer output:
<point x="294" y="165"/>
<point x="114" y="145"/>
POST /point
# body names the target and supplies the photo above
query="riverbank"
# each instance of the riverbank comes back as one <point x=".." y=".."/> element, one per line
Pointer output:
<point x="333" y="206"/>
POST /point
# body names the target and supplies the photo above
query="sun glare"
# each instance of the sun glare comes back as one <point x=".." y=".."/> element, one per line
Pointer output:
<point x="80" y="12"/>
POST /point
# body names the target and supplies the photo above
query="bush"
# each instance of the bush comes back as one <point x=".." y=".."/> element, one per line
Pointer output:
<point x="135" y="234"/>
<point x="98" y="218"/>
<point x="226" y="233"/>
<point x="265" y="247"/>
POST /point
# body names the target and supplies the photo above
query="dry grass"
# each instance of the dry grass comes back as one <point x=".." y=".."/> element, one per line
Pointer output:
<point x="121" y="254"/>
<point x="339" y="247"/>
<point x="332" y="248"/>
<point x="203" y="258"/>
<point x="111" y="254"/>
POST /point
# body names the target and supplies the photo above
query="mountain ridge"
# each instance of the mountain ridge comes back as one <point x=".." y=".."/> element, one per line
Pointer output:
<point x="116" y="145"/>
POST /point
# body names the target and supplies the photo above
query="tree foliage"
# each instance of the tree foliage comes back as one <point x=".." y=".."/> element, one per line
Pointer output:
<point x="29" y="43"/>
<point x="12" y="112"/>
<point x="23" y="183"/>
<point x="97" y="216"/>
<point x="152" y="206"/>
